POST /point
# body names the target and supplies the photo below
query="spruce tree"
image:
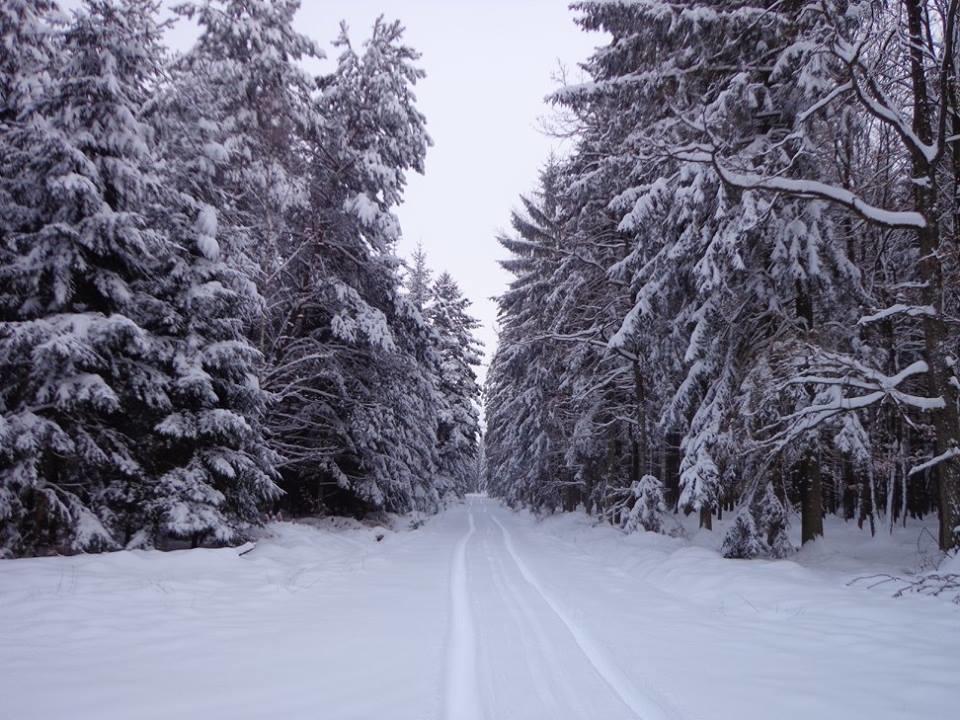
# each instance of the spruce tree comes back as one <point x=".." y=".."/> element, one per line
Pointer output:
<point x="350" y="359"/>
<point x="81" y="380"/>
<point x="458" y="429"/>
<point x="418" y="279"/>
<point x="524" y="443"/>
<point x="209" y="454"/>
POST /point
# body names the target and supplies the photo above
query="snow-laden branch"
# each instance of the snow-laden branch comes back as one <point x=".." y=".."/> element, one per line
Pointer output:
<point x="942" y="457"/>
<point x="823" y="191"/>
<point x="563" y="252"/>
<point x="850" y="374"/>
<point x="880" y="106"/>
<point x="587" y="337"/>
<point x="871" y="379"/>
<point x="899" y="309"/>
<point x="810" y="417"/>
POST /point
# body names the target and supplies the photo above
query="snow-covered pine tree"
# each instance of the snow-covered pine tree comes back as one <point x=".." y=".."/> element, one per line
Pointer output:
<point x="771" y="522"/>
<point x="304" y="184"/>
<point x="524" y="450"/>
<point x="715" y="275"/>
<point x="213" y="469"/>
<point x="30" y="37"/>
<point x="30" y="40"/>
<point x="742" y="541"/>
<point x="134" y="409"/>
<point x="697" y="305"/>
<point x="419" y="278"/>
<point x="81" y="382"/>
<point x="238" y="110"/>
<point x="458" y="430"/>
<point x="648" y="506"/>
<point x="230" y="122"/>
<point x="380" y="135"/>
<point x="350" y="358"/>
<point x="916" y="198"/>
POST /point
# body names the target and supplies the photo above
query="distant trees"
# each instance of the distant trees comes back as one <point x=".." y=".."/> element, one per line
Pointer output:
<point x="755" y="285"/>
<point x="459" y="353"/>
<point x="418" y="279"/>
<point x="523" y="445"/>
<point x="201" y="311"/>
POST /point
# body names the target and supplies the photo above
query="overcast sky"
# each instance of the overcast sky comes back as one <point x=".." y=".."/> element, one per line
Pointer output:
<point x="489" y="65"/>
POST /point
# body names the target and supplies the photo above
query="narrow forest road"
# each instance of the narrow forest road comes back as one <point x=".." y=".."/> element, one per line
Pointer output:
<point x="569" y="625"/>
<point x="514" y="651"/>
<point x="481" y="614"/>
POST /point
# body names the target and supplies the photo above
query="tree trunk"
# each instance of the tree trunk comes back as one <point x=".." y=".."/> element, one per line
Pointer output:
<point x="811" y="494"/>
<point x="850" y="495"/>
<point x="706" y="518"/>
<point x="865" y="509"/>
<point x="946" y="421"/>
<point x="808" y="469"/>
<point x="639" y="430"/>
<point x="671" y="473"/>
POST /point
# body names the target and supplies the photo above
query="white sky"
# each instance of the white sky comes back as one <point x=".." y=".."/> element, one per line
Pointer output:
<point x="489" y="65"/>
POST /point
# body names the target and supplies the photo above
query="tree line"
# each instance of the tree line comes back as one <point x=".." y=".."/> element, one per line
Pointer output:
<point x="202" y="312"/>
<point x="739" y="292"/>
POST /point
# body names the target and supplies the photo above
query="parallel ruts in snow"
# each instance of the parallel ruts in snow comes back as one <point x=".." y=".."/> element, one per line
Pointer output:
<point x="461" y="699"/>
<point x="641" y="705"/>
<point x="556" y="691"/>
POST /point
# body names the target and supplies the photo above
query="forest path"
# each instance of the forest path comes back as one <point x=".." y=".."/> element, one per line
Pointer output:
<point x="534" y="659"/>
<point x="480" y="614"/>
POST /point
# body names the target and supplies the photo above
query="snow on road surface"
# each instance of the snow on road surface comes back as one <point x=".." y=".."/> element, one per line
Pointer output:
<point x="461" y="691"/>
<point x="481" y="614"/>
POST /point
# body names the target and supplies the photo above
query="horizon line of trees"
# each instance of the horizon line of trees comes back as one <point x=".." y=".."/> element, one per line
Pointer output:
<point x="741" y="291"/>
<point x="203" y="318"/>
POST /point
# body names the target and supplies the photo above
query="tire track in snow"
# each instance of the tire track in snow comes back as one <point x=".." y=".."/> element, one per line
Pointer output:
<point x="642" y="706"/>
<point x="461" y="702"/>
<point x="555" y="686"/>
<point x="546" y="691"/>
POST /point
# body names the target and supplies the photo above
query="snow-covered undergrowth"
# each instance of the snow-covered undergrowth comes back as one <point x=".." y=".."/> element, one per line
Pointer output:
<point x="555" y="618"/>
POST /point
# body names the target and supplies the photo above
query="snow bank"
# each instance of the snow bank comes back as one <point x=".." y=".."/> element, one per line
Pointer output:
<point x="304" y="626"/>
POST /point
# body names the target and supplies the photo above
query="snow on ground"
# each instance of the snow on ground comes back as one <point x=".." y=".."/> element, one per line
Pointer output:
<point x="481" y="613"/>
<point x="313" y="623"/>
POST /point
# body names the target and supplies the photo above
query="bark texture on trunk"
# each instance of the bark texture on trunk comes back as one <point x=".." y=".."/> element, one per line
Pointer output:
<point x="946" y="421"/>
<point x="811" y="494"/>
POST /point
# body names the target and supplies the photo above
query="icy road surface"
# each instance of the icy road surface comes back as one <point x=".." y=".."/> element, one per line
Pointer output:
<point x="481" y="614"/>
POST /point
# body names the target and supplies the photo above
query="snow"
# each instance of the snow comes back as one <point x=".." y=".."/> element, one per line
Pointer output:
<point x="598" y="657"/>
<point x="482" y="612"/>
<point x="462" y="698"/>
<point x="816" y="189"/>
<point x="942" y="457"/>
<point x="206" y="227"/>
<point x="898" y="309"/>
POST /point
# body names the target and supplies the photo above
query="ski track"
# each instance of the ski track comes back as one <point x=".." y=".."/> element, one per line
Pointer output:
<point x="552" y="682"/>
<point x="545" y="690"/>
<point x="462" y="701"/>
<point x="638" y="703"/>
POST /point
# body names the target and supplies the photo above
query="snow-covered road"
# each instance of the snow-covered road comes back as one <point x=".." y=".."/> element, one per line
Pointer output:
<point x="534" y="658"/>
<point x="481" y="614"/>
